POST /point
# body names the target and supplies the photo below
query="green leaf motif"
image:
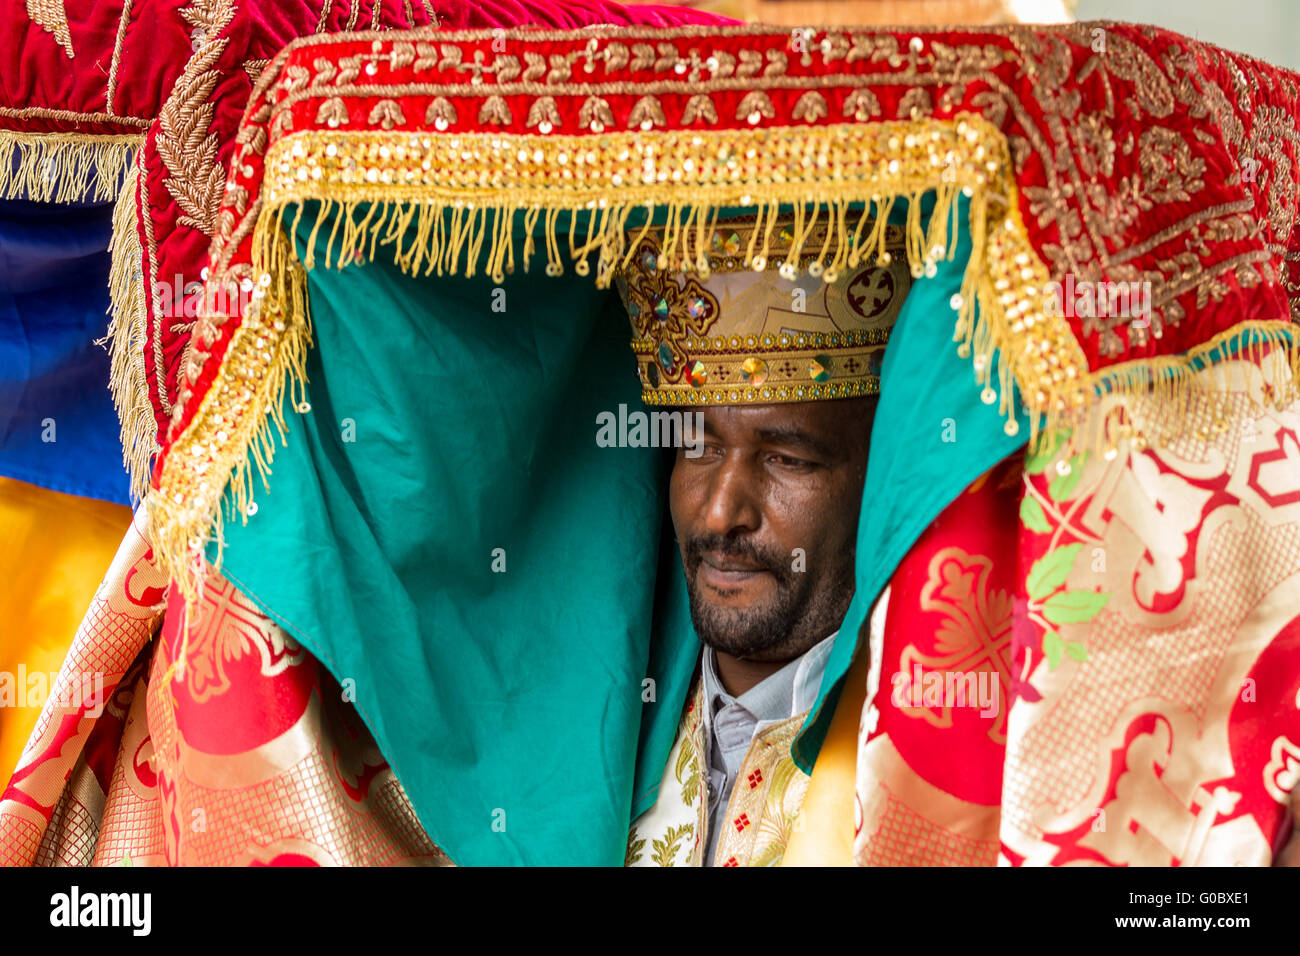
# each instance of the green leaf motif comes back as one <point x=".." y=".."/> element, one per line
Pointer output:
<point x="1037" y="463"/>
<point x="1052" y="647"/>
<point x="635" y="849"/>
<point x="1062" y="486"/>
<point x="1074" y="607"/>
<point x="1031" y="514"/>
<point x="665" y="850"/>
<point x="1050" y="571"/>
<point x="1076" y="650"/>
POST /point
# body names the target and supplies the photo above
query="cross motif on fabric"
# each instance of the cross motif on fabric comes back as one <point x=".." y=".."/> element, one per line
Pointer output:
<point x="741" y="822"/>
<point x="852" y="365"/>
<point x="755" y="779"/>
<point x="786" y="369"/>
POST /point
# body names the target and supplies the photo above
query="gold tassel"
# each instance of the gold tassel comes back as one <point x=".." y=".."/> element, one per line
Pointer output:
<point x="64" y="167"/>
<point x="1003" y="278"/>
<point x="125" y="340"/>
<point x="189" y="513"/>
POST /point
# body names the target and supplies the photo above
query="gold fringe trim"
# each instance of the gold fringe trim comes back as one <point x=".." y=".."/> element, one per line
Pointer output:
<point x="125" y="340"/>
<point x="454" y="224"/>
<point x="270" y="347"/>
<point x="64" y="167"/>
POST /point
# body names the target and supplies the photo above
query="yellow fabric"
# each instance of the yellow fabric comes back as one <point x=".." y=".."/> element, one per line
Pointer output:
<point x="823" y="834"/>
<point x="56" y="548"/>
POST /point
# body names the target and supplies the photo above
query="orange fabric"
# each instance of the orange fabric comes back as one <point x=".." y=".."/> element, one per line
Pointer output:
<point x="823" y="834"/>
<point x="56" y="549"/>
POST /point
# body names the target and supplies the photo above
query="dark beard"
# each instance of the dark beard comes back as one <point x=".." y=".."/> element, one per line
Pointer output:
<point x="800" y="615"/>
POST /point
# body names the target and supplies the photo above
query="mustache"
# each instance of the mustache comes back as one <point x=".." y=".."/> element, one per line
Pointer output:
<point x="735" y="547"/>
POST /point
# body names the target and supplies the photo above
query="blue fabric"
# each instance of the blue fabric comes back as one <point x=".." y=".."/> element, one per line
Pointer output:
<point x="58" y="427"/>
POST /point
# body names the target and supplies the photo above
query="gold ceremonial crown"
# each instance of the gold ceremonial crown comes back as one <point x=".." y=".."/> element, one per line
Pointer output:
<point x="741" y="328"/>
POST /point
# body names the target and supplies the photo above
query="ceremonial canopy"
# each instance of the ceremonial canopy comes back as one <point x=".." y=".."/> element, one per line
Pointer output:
<point x="377" y="433"/>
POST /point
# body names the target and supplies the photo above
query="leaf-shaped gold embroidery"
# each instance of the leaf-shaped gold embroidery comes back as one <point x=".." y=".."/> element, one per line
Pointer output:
<point x="426" y="56"/>
<point x="296" y="76"/>
<point x="835" y="47"/>
<point x="635" y="848"/>
<point x="699" y="107"/>
<point x="507" y="67"/>
<point x="543" y="111"/>
<point x="665" y="850"/>
<point x="450" y="57"/>
<point x="403" y="54"/>
<point x="726" y="64"/>
<point x="440" y="113"/>
<point x="811" y="107"/>
<point x="616" y="57"/>
<point x="915" y="104"/>
<point x="755" y="103"/>
<point x="595" y="110"/>
<point x="750" y="63"/>
<point x="185" y="143"/>
<point x="559" y="69"/>
<point x="50" y="15"/>
<point x="667" y="59"/>
<point x="332" y="113"/>
<point x="536" y="66"/>
<point x="495" y="110"/>
<point x="643" y="56"/>
<point x="237" y="196"/>
<point x="646" y="110"/>
<point x="861" y="105"/>
<point x="325" y="70"/>
<point x="254" y="136"/>
<point x="776" y="63"/>
<point x="386" y="113"/>
<point x="349" y="69"/>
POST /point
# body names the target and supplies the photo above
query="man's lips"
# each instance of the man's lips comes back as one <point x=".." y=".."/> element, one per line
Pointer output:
<point x="724" y="573"/>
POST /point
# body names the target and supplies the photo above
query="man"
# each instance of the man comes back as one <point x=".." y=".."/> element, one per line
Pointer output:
<point x="765" y="519"/>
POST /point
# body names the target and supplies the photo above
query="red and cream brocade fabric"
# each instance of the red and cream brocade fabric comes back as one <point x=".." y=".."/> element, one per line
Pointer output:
<point x="1165" y="728"/>
<point x="249" y="755"/>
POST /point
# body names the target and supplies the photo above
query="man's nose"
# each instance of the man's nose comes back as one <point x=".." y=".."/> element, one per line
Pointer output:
<point x="733" y="500"/>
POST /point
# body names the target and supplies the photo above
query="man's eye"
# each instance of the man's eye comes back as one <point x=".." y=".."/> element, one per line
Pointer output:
<point x="712" y="450"/>
<point x="786" y="461"/>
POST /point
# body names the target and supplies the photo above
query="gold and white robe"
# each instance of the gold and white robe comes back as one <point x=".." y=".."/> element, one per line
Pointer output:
<point x="761" y="813"/>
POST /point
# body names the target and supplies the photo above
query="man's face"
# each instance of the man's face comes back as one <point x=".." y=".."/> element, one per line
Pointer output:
<point x="772" y="479"/>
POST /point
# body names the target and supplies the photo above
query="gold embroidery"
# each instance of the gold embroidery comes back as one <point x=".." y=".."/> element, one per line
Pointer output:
<point x="152" y="283"/>
<point x="479" y="179"/>
<point x="386" y="113"/>
<point x="666" y="849"/>
<point x="765" y="800"/>
<point x="254" y="68"/>
<point x="680" y="811"/>
<point x="635" y="848"/>
<point x="117" y="54"/>
<point x="50" y="15"/>
<point x="324" y="15"/>
<point x="195" y="178"/>
<point x="41" y="112"/>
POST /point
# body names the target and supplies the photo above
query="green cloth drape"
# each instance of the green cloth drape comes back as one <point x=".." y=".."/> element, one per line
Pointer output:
<point x="510" y="702"/>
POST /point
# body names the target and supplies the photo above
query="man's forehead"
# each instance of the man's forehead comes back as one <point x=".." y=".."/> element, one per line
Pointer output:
<point x="832" y="421"/>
